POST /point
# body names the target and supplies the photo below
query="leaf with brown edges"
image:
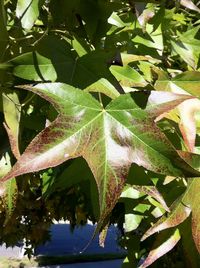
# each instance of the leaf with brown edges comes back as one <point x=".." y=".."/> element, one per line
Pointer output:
<point x="110" y="139"/>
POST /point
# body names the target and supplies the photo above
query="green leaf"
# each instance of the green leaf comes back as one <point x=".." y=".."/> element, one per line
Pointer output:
<point x="3" y="31"/>
<point x="153" y="192"/>
<point x="54" y="60"/>
<point x="28" y="12"/>
<point x="114" y="19"/>
<point x="128" y="77"/>
<point x="110" y="139"/>
<point x="180" y="210"/>
<point x="188" y="81"/>
<point x="152" y="38"/>
<point x="12" y="112"/>
<point x="187" y="46"/>
<point x="163" y="244"/>
<point x="128" y="58"/>
<point x="8" y="189"/>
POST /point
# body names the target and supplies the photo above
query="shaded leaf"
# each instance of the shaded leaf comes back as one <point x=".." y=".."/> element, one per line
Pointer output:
<point x="192" y="255"/>
<point x="54" y="60"/>
<point x="3" y="31"/>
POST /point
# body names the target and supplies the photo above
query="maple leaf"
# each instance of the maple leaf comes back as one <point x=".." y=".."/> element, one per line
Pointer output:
<point x="110" y="139"/>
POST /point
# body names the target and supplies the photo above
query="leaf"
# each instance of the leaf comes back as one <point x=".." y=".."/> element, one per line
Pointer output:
<point x="153" y="192"/>
<point x="128" y="77"/>
<point x="163" y="244"/>
<point x="114" y="19"/>
<point x="180" y="210"/>
<point x="12" y="111"/>
<point x="54" y="60"/>
<point x="182" y="84"/>
<point x="187" y="125"/>
<point x="8" y="189"/>
<point x="28" y="12"/>
<point x="110" y="139"/>
<point x="3" y="31"/>
<point x="187" y="46"/>
<point x="128" y="58"/>
<point x="152" y="38"/>
<point x="190" y="5"/>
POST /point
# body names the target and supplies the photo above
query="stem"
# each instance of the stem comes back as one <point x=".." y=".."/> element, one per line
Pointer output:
<point x="100" y="99"/>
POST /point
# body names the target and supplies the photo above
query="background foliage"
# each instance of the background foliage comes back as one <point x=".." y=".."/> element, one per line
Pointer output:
<point x="113" y="88"/>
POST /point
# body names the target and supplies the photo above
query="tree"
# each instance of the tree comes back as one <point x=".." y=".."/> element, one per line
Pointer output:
<point x="99" y="121"/>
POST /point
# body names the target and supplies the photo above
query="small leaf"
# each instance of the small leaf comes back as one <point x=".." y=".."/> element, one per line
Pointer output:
<point x="102" y="236"/>
<point x="8" y="189"/>
<point x="153" y="192"/>
<point x="128" y="58"/>
<point x="190" y="5"/>
<point x="3" y="32"/>
<point x="163" y="244"/>
<point x="180" y="210"/>
<point x="12" y="112"/>
<point x="28" y="12"/>
<point x="127" y="76"/>
<point x="184" y="83"/>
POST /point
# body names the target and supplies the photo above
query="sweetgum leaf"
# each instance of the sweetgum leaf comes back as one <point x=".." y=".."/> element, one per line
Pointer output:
<point x="180" y="210"/>
<point x="110" y="139"/>
<point x="55" y="60"/>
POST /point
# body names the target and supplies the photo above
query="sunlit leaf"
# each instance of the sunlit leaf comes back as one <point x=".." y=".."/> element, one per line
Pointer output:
<point x="163" y="244"/>
<point x="186" y="83"/>
<point x="12" y="111"/>
<point x="110" y="138"/>
<point x="189" y="4"/>
<point x="28" y="12"/>
<point x="8" y="189"/>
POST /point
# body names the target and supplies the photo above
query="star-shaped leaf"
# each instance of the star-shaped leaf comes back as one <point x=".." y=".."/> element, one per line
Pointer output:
<point x="110" y="139"/>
